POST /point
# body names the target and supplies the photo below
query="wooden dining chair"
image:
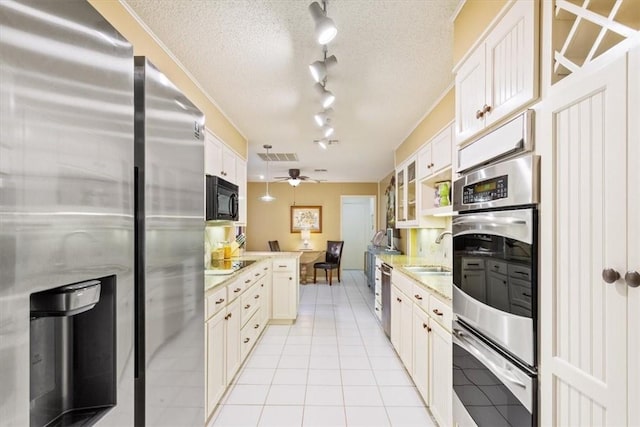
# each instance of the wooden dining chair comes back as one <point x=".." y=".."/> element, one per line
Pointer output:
<point x="274" y="246"/>
<point x="331" y="261"/>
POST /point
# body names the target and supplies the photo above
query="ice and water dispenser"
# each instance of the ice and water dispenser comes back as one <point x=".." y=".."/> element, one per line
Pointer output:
<point x="73" y="353"/>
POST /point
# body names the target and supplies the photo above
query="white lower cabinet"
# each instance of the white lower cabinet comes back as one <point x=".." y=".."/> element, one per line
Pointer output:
<point x="420" y="333"/>
<point x="215" y="344"/>
<point x="235" y="318"/>
<point x="284" y="289"/>
<point x="232" y="349"/>
<point x="441" y="379"/>
<point x="421" y="350"/>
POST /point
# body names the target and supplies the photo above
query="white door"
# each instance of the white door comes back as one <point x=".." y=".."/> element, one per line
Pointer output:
<point x="584" y="319"/>
<point x="358" y="219"/>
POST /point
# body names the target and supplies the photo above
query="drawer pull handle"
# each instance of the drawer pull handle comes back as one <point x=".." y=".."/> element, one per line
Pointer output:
<point x="524" y="294"/>
<point x="247" y="306"/>
<point x="220" y="301"/>
<point x="247" y="281"/>
<point x="236" y="290"/>
<point x="425" y="326"/>
<point x="246" y="340"/>
<point x="282" y="266"/>
<point x="418" y="297"/>
<point x="399" y="300"/>
<point x="256" y="297"/>
<point x="486" y="108"/>
<point x="479" y="114"/>
<point x="257" y="274"/>
<point x="522" y="272"/>
<point x="437" y="312"/>
<point x="256" y="326"/>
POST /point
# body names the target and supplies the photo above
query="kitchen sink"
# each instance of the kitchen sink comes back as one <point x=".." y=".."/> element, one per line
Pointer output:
<point x="428" y="270"/>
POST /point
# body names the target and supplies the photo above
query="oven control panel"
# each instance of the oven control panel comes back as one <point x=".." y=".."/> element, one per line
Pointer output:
<point x="487" y="190"/>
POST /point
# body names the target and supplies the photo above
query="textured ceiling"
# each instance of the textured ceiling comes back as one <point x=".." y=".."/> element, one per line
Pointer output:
<point x="251" y="57"/>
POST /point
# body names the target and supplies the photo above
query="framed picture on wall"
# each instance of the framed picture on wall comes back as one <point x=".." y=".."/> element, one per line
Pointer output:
<point x="306" y="218"/>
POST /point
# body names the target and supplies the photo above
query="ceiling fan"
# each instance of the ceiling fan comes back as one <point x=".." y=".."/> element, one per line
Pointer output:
<point x="294" y="178"/>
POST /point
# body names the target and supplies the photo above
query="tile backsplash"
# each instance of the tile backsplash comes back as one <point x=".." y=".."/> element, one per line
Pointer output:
<point x="437" y="253"/>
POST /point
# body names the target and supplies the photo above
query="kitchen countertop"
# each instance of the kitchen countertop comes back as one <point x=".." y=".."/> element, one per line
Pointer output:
<point x="441" y="285"/>
<point x="213" y="281"/>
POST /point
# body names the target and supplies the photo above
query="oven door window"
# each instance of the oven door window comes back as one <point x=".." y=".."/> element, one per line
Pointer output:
<point x="495" y="259"/>
<point x="492" y="390"/>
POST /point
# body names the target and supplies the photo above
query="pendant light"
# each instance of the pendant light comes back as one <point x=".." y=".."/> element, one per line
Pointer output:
<point x="267" y="197"/>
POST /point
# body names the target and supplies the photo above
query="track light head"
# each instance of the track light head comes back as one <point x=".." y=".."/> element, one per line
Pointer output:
<point x="327" y="131"/>
<point x="322" y="117"/>
<point x="318" y="69"/>
<point x="327" y="97"/>
<point x="325" y="27"/>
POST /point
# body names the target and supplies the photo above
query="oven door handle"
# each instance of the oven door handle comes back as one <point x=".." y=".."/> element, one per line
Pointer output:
<point x="462" y="341"/>
<point x="489" y="221"/>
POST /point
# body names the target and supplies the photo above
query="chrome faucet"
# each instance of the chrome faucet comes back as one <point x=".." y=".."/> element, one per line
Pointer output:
<point x="441" y="236"/>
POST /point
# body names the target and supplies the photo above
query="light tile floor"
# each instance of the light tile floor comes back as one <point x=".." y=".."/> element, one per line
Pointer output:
<point x="333" y="367"/>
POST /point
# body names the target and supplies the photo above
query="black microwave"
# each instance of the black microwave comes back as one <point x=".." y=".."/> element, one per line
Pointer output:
<point x="222" y="199"/>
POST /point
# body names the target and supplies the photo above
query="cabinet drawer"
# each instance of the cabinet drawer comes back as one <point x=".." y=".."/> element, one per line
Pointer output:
<point x="251" y="301"/>
<point x="497" y="267"/>
<point x="440" y="311"/>
<point x="420" y="297"/>
<point x="215" y="301"/>
<point x="284" y="264"/>
<point x="249" y="334"/>
<point x="520" y="272"/>
<point x="403" y="283"/>
<point x="472" y="264"/>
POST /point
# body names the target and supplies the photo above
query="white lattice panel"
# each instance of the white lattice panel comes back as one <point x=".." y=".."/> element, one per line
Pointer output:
<point x="585" y="29"/>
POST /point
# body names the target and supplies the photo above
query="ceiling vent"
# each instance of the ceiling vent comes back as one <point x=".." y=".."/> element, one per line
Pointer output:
<point x="279" y="157"/>
<point x="320" y="170"/>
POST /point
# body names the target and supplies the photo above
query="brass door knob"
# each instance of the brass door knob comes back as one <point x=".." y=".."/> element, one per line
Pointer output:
<point x="609" y="275"/>
<point x="632" y="278"/>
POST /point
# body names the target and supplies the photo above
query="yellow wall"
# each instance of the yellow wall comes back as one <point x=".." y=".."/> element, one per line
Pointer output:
<point x="472" y="20"/>
<point x="144" y="44"/>
<point x="271" y="221"/>
<point x="441" y="115"/>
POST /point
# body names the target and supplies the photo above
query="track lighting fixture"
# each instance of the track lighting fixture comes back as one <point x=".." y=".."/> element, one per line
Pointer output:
<point x="322" y="117"/>
<point x="326" y="97"/>
<point x="325" y="27"/>
<point x="319" y="68"/>
<point x="267" y="197"/>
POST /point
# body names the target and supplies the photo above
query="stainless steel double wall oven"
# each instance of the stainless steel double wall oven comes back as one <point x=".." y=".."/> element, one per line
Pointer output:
<point x="495" y="240"/>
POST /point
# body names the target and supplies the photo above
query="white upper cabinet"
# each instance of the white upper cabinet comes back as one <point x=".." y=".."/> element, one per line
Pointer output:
<point x="501" y="74"/>
<point x="406" y="194"/>
<point x="435" y="156"/>
<point x="222" y="161"/>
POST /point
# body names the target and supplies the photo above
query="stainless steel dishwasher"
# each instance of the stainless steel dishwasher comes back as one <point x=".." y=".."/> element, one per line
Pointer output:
<point x="386" y="298"/>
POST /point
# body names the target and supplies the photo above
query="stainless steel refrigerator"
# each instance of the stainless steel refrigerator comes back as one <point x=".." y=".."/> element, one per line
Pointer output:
<point x="66" y="216"/>
<point x="169" y="266"/>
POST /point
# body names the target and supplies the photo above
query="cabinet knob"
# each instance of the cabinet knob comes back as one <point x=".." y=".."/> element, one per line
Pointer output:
<point x="236" y="290"/>
<point x="246" y="340"/>
<point x="486" y="109"/>
<point x="256" y="326"/>
<point x="256" y="297"/>
<point x="479" y="114"/>
<point x="632" y="278"/>
<point x="399" y="300"/>
<point x="246" y="307"/>
<point x="609" y="275"/>
<point x="220" y="301"/>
